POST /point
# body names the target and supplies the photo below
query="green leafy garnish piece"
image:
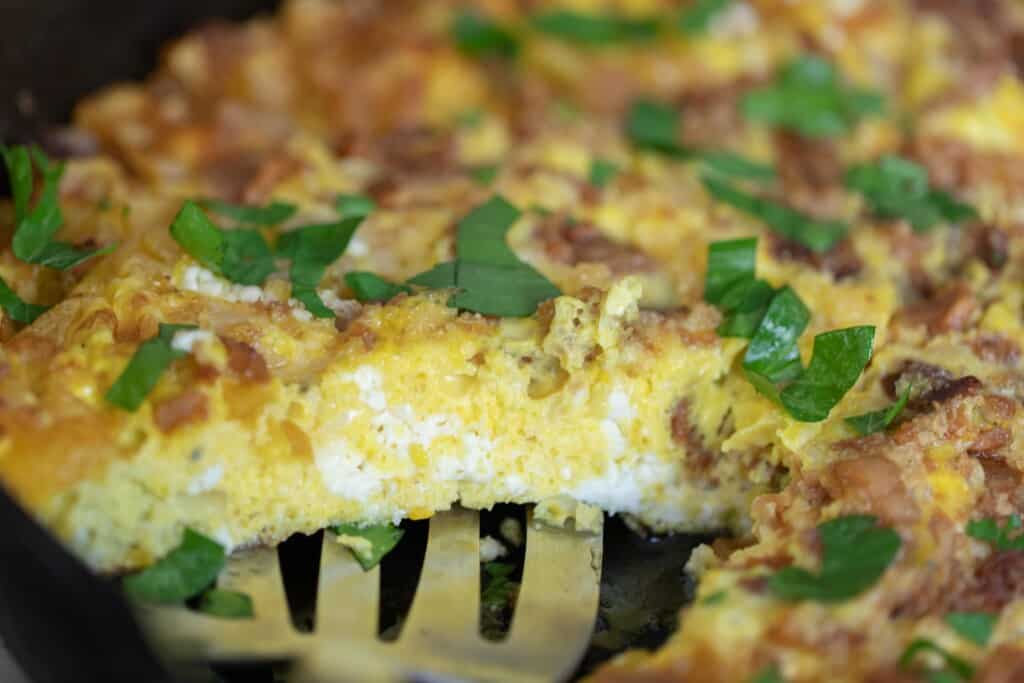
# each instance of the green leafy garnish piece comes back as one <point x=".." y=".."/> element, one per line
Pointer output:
<point x="479" y="36"/>
<point x="369" y="544"/>
<point x="469" y="118"/>
<point x="810" y="98"/>
<point x="271" y="214"/>
<point x="241" y="255"/>
<point x="772" y="357"/>
<point x="499" y="588"/>
<point x="815" y="234"/>
<point x="16" y="309"/>
<point x="602" y="172"/>
<point x="727" y="164"/>
<point x="976" y="627"/>
<point x="487" y="275"/>
<point x="716" y="598"/>
<point x="145" y="367"/>
<point x="312" y="249"/>
<point x="769" y="674"/>
<point x="895" y="187"/>
<point x="369" y="287"/>
<point x="730" y="262"/>
<point x="877" y="420"/>
<point x="182" y="574"/>
<point x="655" y="126"/>
<point x="696" y="18"/>
<point x="743" y="308"/>
<point x="855" y="554"/>
<point x="954" y="669"/>
<point x="595" y="29"/>
<point x="226" y="604"/>
<point x="485" y="174"/>
<point x="35" y="227"/>
<point x="354" y="205"/>
<point x="837" y="361"/>
<point x="1007" y="537"/>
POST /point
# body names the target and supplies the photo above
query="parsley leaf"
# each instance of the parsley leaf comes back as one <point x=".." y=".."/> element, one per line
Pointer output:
<point x="743" y="308"/>
<point x="369" y="544"/>
<point x="226" y="604"/>
<point x="145" y="367"/>
<point x="602" y="172"/>
<point x="837" y="361"/>
<point x="240" y="255"/>
<point x="877" y="420"/>
<point x="352" y="205"/>
<point x="716" y="598"/>
<point x="654" y="126"/>
<point x="499" y="588"/>
<point x="733" y="165"/>
<point x="484" y="175"/>
<point x="976" y="627"/>
<point x="271" y="214"/>
<point x="1000" y="538"/>
<point x="895" y="187"/>
<point x="696" y="18"/>
<point x="182" y="574"/>
<point x="479" y="36"/>
<point x="488" y="276"/>
<point x="769" y="674"/>
<point x="955" y="669"/>
<point x="15" y="308"/>
<point x="35" y="227"/>
<point x="729" y="263"/>
<point x="809" y="98"/>
<point x="855" y="554"/>
<point x="772" y="355"/>
<point x="595" y="29"/>
<point x="369" y="287"/>
<point x="313" y="249"/>
<point x="815" y="234"/>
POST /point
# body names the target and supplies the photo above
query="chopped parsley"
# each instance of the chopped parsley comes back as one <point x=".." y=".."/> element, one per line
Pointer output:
<point x="816" y="234"/>
<point x="855" y="554"/>
<point x="595" y="29"/>
<point x="810" y="98"/>
<point x="654" y="126"/>
<point x="730" y="263"/>
<point x="478" y="36"/>
<point x="145" y="367"/>
<point x="487" y="275"/>
<point x="954" y="669"/>
<point x="241" y="255"/>
<point x="878" y="420"/>
<point x="353" y="205"/>
<point x="716" y="598"/>
<point x="36" y="226"/>
<point x="697" y="17"/>
<point x="182" y="574"/>
<point x="271" y="214"/>
<point x="895" y="187"/>
<point x="369" y="544"/>
<point x="312" y="249"/>
<point x="1006" y="537"/>
<point x="499" y="588"/>
<point x="16" y="309"/>
<point x="484" y="175"/>
<point x="369" y="287"/>
<point x="976" y="627"/>
<point x="769" y="674"/>
<point x="226" y="604"/>
<point x="602" y="172"/>
<point x="727" y="164"/>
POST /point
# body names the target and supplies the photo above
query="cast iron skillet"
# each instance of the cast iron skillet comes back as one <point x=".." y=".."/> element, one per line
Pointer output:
<point x="62" y="623"/>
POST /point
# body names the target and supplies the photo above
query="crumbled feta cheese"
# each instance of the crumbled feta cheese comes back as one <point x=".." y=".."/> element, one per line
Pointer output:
<point x="186" y="340"/>
<point x="491" y="549"/>
<point x="208" y="479"/>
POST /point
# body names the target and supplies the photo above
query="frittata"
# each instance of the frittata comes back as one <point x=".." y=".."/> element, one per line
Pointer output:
<point x="750" y="266"/>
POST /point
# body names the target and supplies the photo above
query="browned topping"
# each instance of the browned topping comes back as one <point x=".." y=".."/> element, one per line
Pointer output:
<point x="997" y="580"/>
<point x="570" y="242"/>
<point x="892" y="674"/>
<point x="270" y="174"/>
<point x="842" y="260"/>
<point x="410" y="150"/>
<point x="361" y="331"/>
<point x="1004" y="665"/>
<point x="991" y="246"/>
<point x="245" y="361"/>
<point x="989" y="442"/>
<point x="699" y="457"/>
<point x="807" y="164"/>
<point x="1002" y="491"/>
<point x="188" y="406"/>
<point x="871" y="484"/>
<point x="950" y="309"/>
<point x="995" y="348"/>
<point x="924" y="377"/>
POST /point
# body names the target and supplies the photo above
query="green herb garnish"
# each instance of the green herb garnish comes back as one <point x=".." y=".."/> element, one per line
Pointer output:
<point x="369" y="287"/>
<point x="499" y="588"/>
<point x="312" y="249"/>
<point x="354" y="205"/>
<point x="716" y="598"/>
<point x="855" y="554"/>
<point x="241" y="255"/>
<point x="369" y="544"/>
<point x="182" y="574"/>
<point x="815" y="234"/>
<point x="479" y="36"/>
<point x="1000" y="538"/>
<point x="954" y="669"/>
<point x="727" y="164"/>
<point x="271" y="214"/>
<point x="696" y="18"/>
<point x="602" y="172"/>
<point x="145" y="367"/>
<point x="16" y="309"/>
<point x="895" y="187"/>
<point x="877" y="420"/>
<point x="488" y="276"/>
<point x="226" y="604"/>
<point x="484" y="175"/>
<point x="976" y="627"/>
<point x="595" y="29"/>
<point x="769" y="674"/>
<point x="730" y="263"/>
<point x="655" y="126"/>
<point x="36" y="226"/>
<point x="810" y="98"/>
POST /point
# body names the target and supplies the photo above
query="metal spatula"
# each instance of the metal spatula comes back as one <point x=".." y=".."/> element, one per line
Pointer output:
<point x="440" y="639"/>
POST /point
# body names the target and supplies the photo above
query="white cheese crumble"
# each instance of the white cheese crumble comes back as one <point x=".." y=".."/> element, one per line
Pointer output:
<point x="491" y="549"/>
<point x="185" y="340"/>
<point x="203" y="281"/>
<point x="207" y="480"/>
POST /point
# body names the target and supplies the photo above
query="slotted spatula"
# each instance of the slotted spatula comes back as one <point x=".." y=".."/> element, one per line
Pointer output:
<point x="440" y="639"/>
